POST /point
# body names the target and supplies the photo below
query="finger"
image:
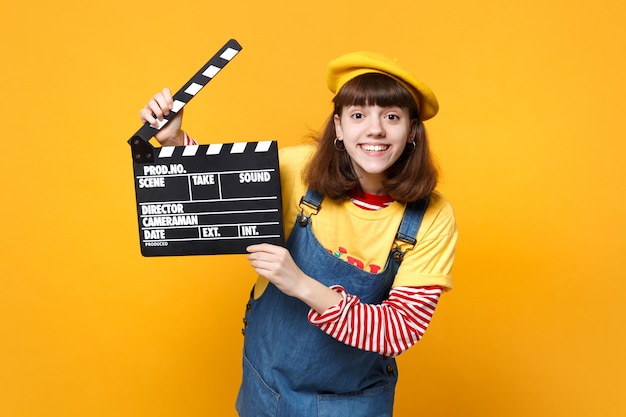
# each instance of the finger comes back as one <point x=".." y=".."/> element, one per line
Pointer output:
<point x="167" y="95"/>
<point x="159" y="106"/>
<point x="253" y="249"/>
<point x="259" y="266"/>
<point x="147" y="115"/>
<point x="262" y="247"/>
<point x="257" y="258"/>
<point x="153" y="113"/>
<point x="265" y="269"/>
<point x="165" y="100"/>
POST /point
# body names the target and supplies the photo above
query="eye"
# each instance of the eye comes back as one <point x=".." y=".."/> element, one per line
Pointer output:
<point x="356" y="115"/>
<point x="393" y="116"/>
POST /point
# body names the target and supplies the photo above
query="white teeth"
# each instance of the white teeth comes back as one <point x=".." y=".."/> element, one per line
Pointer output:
<point x="374" y="148"/>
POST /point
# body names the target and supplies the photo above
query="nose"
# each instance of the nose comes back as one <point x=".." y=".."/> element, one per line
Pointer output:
<point x="375" y="128"/>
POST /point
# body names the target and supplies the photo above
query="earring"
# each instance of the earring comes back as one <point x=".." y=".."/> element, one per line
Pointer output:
<point x="414" y="146"/>
<point x="341" y="147"/>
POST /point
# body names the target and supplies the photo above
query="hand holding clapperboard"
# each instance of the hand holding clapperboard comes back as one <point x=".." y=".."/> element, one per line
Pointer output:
<point x="205" y="199"/>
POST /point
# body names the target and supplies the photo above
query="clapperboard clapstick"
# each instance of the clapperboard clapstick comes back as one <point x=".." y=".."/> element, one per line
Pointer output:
<point x="205" y="199"/>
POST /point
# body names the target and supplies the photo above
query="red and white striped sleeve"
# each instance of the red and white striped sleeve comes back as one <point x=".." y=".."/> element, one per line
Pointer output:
<point x="188" y="140"/>
<point x="389" y="328"/>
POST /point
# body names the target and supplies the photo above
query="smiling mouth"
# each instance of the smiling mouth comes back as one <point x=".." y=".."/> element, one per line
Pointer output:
<point x="374" y="148"/>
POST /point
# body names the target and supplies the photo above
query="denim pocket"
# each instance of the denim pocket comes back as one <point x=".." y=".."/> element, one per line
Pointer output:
<point x="372" y="402"/>
<point x="255" y="398"/>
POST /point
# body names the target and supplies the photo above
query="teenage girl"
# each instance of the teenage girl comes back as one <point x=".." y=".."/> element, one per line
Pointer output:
<point x="370" y="249"/>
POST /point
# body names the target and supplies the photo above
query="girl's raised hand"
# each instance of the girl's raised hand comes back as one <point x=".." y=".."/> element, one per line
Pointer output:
<point x="159" y="106"/>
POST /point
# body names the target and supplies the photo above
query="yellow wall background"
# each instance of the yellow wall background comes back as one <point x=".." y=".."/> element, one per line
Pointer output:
<point x="530" y="139"/>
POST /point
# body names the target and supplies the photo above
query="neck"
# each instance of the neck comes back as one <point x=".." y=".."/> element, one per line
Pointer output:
<point x="372" y="187"/>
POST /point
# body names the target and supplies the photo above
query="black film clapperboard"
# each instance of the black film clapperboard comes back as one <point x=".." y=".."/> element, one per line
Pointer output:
<point x="205" y="199"/>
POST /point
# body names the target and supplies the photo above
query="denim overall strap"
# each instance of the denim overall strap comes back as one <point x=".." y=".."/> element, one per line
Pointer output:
<point x="312" y="199"/>
<point x="411" y="222"/>
<point x="292" y="368"/>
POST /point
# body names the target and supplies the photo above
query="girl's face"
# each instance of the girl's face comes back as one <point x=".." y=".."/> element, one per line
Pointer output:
<point x="374" y="138"/>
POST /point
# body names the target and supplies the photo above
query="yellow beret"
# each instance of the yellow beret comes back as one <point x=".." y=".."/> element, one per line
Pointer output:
<point x="346" y="67"/>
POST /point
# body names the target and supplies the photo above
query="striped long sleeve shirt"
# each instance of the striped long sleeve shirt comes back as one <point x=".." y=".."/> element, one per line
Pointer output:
<point x="389" y="328"/>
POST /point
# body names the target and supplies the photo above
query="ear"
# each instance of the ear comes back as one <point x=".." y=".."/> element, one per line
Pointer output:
<point x="413" y="131"/>
<point x="338" y="130"/>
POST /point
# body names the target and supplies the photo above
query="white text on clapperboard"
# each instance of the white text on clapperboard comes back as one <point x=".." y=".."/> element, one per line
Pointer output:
<point x="156" y="217"/>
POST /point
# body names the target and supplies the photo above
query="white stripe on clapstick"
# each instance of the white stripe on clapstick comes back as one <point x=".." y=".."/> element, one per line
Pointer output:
<point x="166" y="151"/>
<point x="229" y="53"/>
<point x="190" y="150"/>
<point x="160" y="122"/>
<point x="211" y="71"/>
<point x="193" y="89"/>
<point x="263" y="146"/>
<point x="214" y="149"/>
<point x="177" y="105"/>
<point x="238" y="147"/>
